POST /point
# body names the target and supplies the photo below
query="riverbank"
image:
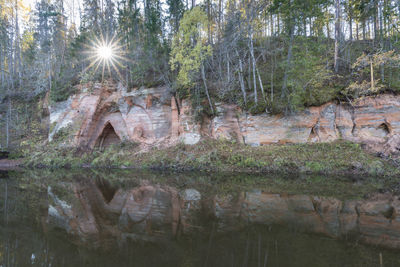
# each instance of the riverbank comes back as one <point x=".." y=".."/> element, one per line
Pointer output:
<point x="339" y="157"/>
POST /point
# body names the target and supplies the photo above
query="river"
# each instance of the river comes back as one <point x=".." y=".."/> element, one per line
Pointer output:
<point x="134" y="218"/>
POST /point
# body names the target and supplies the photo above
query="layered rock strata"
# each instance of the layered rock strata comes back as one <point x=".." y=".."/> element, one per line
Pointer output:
<point x="101" y="114"/>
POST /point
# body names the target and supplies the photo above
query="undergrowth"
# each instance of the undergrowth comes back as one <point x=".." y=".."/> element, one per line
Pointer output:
<point x="338" y="157"/>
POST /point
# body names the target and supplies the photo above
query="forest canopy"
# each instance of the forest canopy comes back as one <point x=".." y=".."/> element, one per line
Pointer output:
<point x="266" y="56"/>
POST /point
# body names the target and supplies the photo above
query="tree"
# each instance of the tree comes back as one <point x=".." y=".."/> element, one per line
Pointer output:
<point x="175" y="10"/>
<point x="190" y="50"/>
<point x="337" y="34"/>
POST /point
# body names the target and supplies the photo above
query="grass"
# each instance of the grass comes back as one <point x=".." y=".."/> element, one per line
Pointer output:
<point x="215" y="155"/>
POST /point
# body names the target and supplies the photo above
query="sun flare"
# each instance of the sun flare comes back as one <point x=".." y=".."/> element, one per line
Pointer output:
<point x="107" y="54"/>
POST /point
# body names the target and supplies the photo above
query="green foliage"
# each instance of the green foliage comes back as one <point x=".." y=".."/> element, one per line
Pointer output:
<point x="60" y="91"/>
<point x="189" y="48"/>
<point x="368" y="67"/>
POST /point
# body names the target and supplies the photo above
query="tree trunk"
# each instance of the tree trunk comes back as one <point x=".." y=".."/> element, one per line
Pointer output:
<point x="337" y="35"/>
<point x="272" y="76"/>
<point x="372" y="75"/>
<point x="209" y="21"/>
<point x="8" y="121"/>
<point x="203" y="76"/>
<point x="351" y="27"/>
<point x="380" y="13"/>
<point x="375" y="22"/>
<point x="253" y="65"/>
<point x="241" y="80"/>
<point x="228" y="69"/>
<point x="357" y="33"/>
<point x="261" y="86"/>
<point x="284" y="92"/>
<point x="2" y="66"/>
<point x="363" y="29"/>
<point x="272" y="24"/>
<point x="17" y="47"/>
<point x="328" y="32"/>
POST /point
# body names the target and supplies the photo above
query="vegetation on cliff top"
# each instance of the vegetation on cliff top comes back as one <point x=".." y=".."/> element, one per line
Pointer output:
<point x="216" y="155"/>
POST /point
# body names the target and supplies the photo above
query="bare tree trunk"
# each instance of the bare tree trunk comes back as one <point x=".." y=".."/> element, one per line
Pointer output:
<point x="2" y="66"/>
<point x="363" y="30"/>
<point x="261" y="86"/>
<point x="17" y="46"/>
<point x="203" y="76"/>
<point x="228" y="71"/>
<point x="241" y="78"/>
<point x="337" y="35"/>
<point x="351" y="27"/>
<point x="49" y="70"/>
<point x="219" y="19"/>
<point x="328" y="32"/>
<point x="375" y="22"/>
<point x="272" y="24"/>
<point x="272" y="80"/>
<point x="369" y="30"/>
<point x="278" y="24"/>
<point x="288" y="62"/>
<point x="8" y="121"/>
<point x="380" y="13"/>
<point x="253" y="65"/>
<point x="209" y="21"/>
<point x="372" y="75"/>
<point x="357" y="31"/>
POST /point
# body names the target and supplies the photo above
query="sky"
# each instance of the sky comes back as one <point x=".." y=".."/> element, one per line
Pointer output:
<point x="71" y="7"/>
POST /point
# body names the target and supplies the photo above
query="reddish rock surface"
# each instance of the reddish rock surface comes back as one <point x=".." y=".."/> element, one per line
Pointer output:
<point x="153" y="115"/>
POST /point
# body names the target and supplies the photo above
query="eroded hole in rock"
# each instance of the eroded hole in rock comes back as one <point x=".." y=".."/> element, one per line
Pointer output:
<point x="389" y="213"/>
<point x="107" y="137"/>
<point x="313" y="135"/>
<point x="384" y="129"/>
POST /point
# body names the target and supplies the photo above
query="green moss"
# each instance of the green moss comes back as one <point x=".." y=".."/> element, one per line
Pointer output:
<point x="221" y="155"/>
<point x="62" y="134"/>
<point x="52" y="126"/>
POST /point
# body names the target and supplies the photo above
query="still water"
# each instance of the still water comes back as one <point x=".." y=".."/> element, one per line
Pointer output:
<point x="131" y="218"/>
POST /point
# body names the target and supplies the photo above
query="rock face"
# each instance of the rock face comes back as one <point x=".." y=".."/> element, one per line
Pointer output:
<point x="101" y="114"/>
<point x="96" y="213"/>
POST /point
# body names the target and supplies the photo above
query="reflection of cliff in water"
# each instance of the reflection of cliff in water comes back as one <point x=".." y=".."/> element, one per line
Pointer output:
<point x="98" y="211"/>
<point x="148" y="224"/>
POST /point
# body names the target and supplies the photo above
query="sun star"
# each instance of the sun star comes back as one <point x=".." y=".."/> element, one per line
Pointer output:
<point x="105" y="53"/>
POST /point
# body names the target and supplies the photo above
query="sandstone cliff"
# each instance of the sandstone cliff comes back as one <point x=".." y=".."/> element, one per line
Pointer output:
<point x="101" y="114"/>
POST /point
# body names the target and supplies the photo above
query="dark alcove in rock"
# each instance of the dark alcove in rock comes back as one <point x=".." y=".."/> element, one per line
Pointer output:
<point x="107" y="137"/>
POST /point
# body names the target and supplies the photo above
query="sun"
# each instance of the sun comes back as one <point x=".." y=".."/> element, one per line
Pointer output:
<point x="107" y="54"/>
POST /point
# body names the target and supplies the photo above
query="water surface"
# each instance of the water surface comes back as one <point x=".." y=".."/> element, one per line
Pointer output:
<point x="131" y="218"/>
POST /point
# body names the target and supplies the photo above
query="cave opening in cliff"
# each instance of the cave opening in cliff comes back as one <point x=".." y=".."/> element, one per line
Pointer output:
<point x="107" y="137"/>
<point x="313" y="136"/>
<point x="384" y="129"/>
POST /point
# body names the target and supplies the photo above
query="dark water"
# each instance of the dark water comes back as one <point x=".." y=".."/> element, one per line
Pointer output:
<point x="31" y="235"/>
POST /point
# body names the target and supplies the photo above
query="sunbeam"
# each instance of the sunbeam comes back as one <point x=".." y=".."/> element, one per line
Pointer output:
<point x="105" y="53"/>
